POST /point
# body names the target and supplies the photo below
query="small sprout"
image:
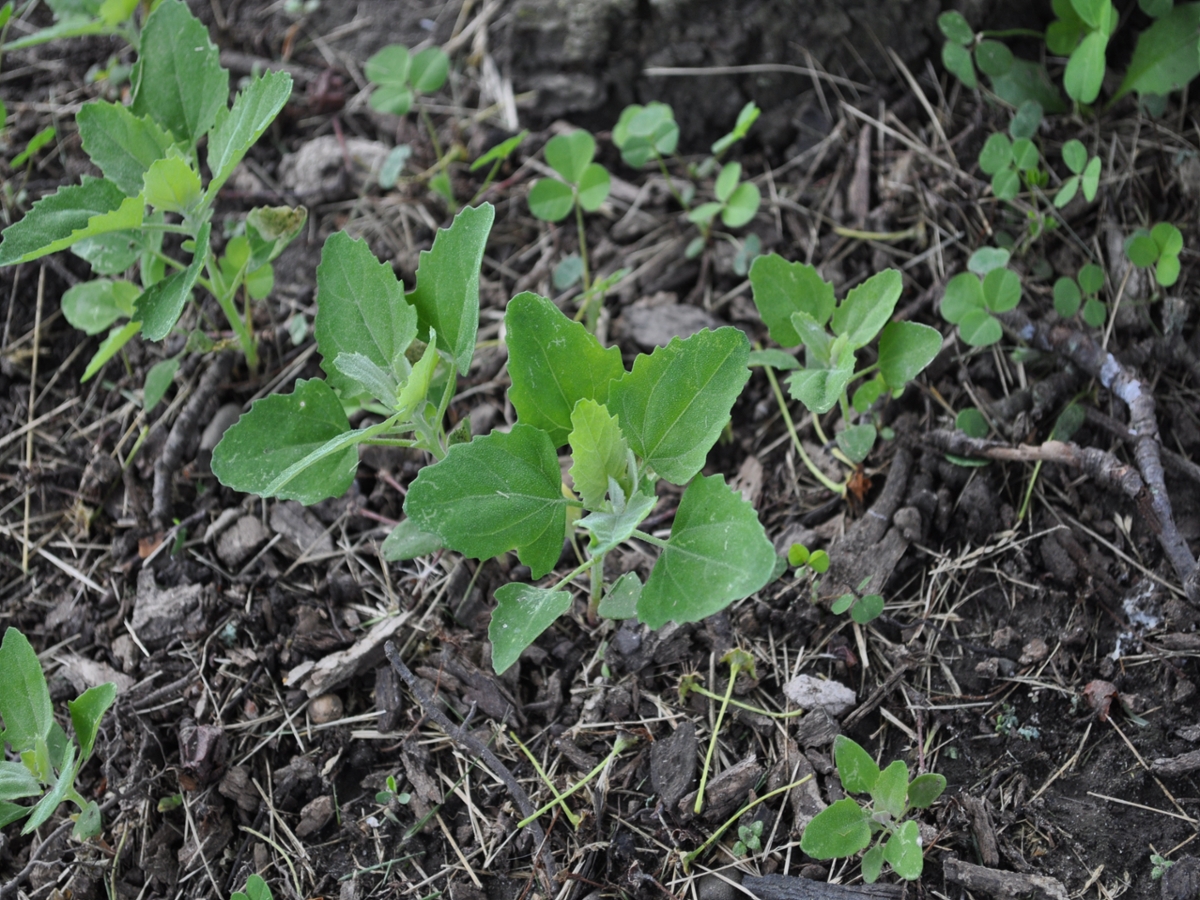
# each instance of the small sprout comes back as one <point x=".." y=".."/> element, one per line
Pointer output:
<point x="972" y="297"/>
<point x="1160" y="865"/>
<point x="1070" y="294"/>
<point x="399" y="76"/>
<point x="749" y="838"/>
<point x="1158" y="247"/>
<point x="1085" y="174"/>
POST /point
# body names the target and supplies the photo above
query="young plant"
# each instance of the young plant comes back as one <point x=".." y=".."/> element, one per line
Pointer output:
<point x="1008" y="161"/>
<point x="496" y="156"/>
<point x="972" y="297"/>
<point x="1071" y="293"/>
<point x="646" y="132"/>
<point x="737" y="660"/>
<point x="799" y="556"/>
<point x="149" y="155"/>
<point x="623" y="742"/>
<point x="256" y="889"/>
<point x="1085" y="174"/>
<point x="50" y="761"/>
<point x="391" y="792"/>
<point x="1158" y="247"/>
<point x="736" y="203"/>
<point x="382" y="349"/>
<point x="798" y="307"/>
<point x="862" y="608"/>
<point x="749" y="838"/>
<point x="1013" y="80"/>
<point x="847" y="827"/>
<point x="1081" y="32"/>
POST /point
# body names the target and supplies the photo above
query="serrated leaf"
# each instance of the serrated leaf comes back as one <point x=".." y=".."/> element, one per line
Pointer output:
<point x="676" y="401"/>
<point x="117" y="338"/>
<point x="237" y="130"/>
<point x="621" y="598"/>
<point x="550" y="200"/>
<point x="172" y="185"/>
<point x="926" y="788"/>
<point x="570" y="154"/>
<point x="158" y="382"/>
<point x="407" y="541"/>
<point x="428" y="70"/>
<point x="781" y="288"/>
<point x="92" y="306"/>
<point x="905" y="349"/>
<point x="281" y="430"/>
<point x="594" y="186"/>
<point x="903" y="851"/>
<point x="447" y="293"/>
<point x="497" y="493"/>
<point x="717" y="553"/>
<point x="16" y="781"/>
<point x="742" y="205"/>
<point x="24" y="697"/>
<point x="599" y="452"/>
<point x="44" y="808"/>
<point x="361" y="308"/>
<point x="868" y="307"/>
<point x="553" y="364"/>
<point x="123" y="145"/>
<point x="72" y="213"/>
<point x="86" y="712"/>
<point x="856" y="769"/>
<point x="522" y="613"/>
<point x="178" y="79"/>
<point x="159" y="306"/>
<point x="841" y="829"/>
<point x="1085" y="68"/>
<point x="980" y="328"/>
<point x="1165" y="58"/>
<point x="964" y="294"/>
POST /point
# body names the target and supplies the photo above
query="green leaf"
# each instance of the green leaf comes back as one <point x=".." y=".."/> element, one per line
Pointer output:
<point x="1006" y="184"/>
<point x="955" y="27"/>
<point x="797" y="555"/>
<point x="237" y="130"/>
<point x="1165" y="58"/>
<point x="158" y="382"/>
<point x="178" y="79"/>
<point x="856" y="769"/>
<point x="281" y="430"/>
<point x="407" y="541"/>
<point x="111" y="253"/>
<point x="996" y="153"/>
<point x="123" y="145"/>
<point x="841" y="829"/>
<point x="841" y="604"/>
<point x="1027" y="80"/>
<point x="676" y="401"/>
<point x="36" y="143"/>
<point x="447" y="293"/>
<point x="776" y="359"/>
<point x="1156" y="9"/>
<point x="550" y="200"/>
<point x="501" y="151"/>
<point x="1001" y="290"/>
<point x="270" y="229"/>
<point x="389" y="66"/>
<point x="1067" y="192"/>
<point x="522" y="613"/>
<point x="159" y="306"/>
<point x="12" y="812"/>
<point x="819" y="389"/>
<point x="1166" y="273"/>
<point x="368" y="376"/>
<point x="553" y="364"/>
<point x="394" y="99"/>
<point x="594" y="186"/>
<point x="957" y="60"/>
<point x="964" y="294"/>
<point x="16" y="781"/>
<point x="1085" y="68"/>
<point x="612" y="528"/>
<point x="88" y="825"/>
<point x="818" y="561"/>
<point x="856" y="441"/>
<point x="1091" y="278"/>
<point x="868" y="307"/>
<point x="890" y="789"/>
<point x="903" y="851"/>
<point x="428" y="70"/>
<point x="171" y="184"/>
<point x="1094" y="312"/>
<point x="620" y="599"/>
<point x="872" y="864"/>
<point x="985" y="259"/>
<point x="1025" y="155"/>
<point x="570" y="154"/>
<point x="905" y="349"/>
<point x="257" y="889"/>
<point x="727" y="180"/>
<point x="24" y="697"/>
<point x="867" y="609"/>
<point x="86" y="712"/>
<point x="72" y="213"/>
<point x="868" y="392"/>
<point x="925" y="789"/>
<point x="497" y="493"/>
<point x="599" y="451"/>
<point x="92" y="306"/>
<point x="980" y="328"/>
<point x="1091" y="179"/>
<point x="704" y="213"/>
<point x="781" y="288"/>
<point x="742" y="205"/>
<point x="1141" y="248"/>
<point x="1074" y="154"/>
<point x="117" y="338"/>
<point x="1066" y="297"/>
<point x="361" y="309"/>
<point x="717" y="553"/>
<point x="45" y="807"/>
<point x="1089" y="11"/>
<point x="1025" y="122"/>
<point x="993" y="58"/>
<point x="1168" y="239"/>
<point x="416" y="388"/>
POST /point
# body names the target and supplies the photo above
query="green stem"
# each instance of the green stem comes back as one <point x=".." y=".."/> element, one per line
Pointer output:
<point x="662" y="165"/>
<point x="650" y="539"/>
<point x="716" y="836"/>
<point x="734" y="669"/>
<point x="1037" y="467"/>
<point x="825" y="480"/>
<point x="619" y="745"/>
<point x="225" y="300"/>
<point x="437" y="146"/>
<point x="597" y="591"/>
<point x="583" y="254"/>
<point x="1015" y="32"/>
<point x="487" y="182"/>
<point x="705" y="692"/>
<point x="558" y="798"/>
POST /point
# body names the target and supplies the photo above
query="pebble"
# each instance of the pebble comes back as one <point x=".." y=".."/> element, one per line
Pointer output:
<point x="325" y="708"/>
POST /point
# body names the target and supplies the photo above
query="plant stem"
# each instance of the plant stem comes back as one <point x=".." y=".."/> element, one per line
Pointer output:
<point x="433" y="138"/>
<point x="662" y="165"/>
<point x="825" y="480"/>
<point x="558" y="798"/>
<point x="225" y="300"/>
<point x="619" y="745"/>
<point x="583" y="254"/>
<point x="705" y="692"/>
<point x="734" y="669"/>
<point x="1037" y="467"/>
<point x="716" y="835"/>
<point x="597" y="574"/>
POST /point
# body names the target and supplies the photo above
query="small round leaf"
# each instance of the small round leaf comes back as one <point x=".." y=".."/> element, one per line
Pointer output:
<point x="1001" y="290"/>
<point x="980" y="328"/>
<point x="903" y="851"/>
<point x="1006" y="184"/>
<point x="570" y="154"/>
<point x="742" y="205"/>
<point x="1141" y="248"/>
<point x="1025" y="122"/>
<point x="594" y="186"/>
<point x="1166" y="273"/>
<point x="996" y="154"/>
<point x="867" y="609"/>
<point x="971" y="423"/>
<point x="993" y="58"/>
<point x="924" y="789"/>
<point x="1025" y="155"/>
<point x="1091" y="179"/>
<point x="1066" y="297"/>
<point x="842" y="603"/>
<point x="818" y="561"/>
<point x="964" y="294"/>
<point x="550" y="200"/>
<point x="1091" y="278"/>
<point x="841" y="829"/>
<point x="428" y="70"/>
<point x="957" y="60"/>
<point x="955" y="27"/>
<point x="1094" y="312"/>
<point x="1168" y="238"/>
<point x="985" y="259"/>
<point x="389" y="66"/>
<point x="1074" y="154"/>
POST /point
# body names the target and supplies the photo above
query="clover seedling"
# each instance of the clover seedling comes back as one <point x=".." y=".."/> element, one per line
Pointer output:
<point x="845" y="828"/>
<point x="862" y="608"/>
<point x="798" y="307"/>
<point x="399" y="76"/>
<point x="736" y="203"/>
<point x="799" y="556"/>
<point x="50" y="761"/>
<point x="148" y="152"/>
<point x="1081" y="32"/>
<point x="1158" y="247"/>
<point x="972" y="297"/>
<point x="646" y="132"/>
<point x="496" y="156"/>
<point x="1014" y="80"/>
<point x="1086" y="174"/>
<point x="749" y="838"/>
<point x="256" y="889"/>
<point x="1007" y="161"/>
<point x="1070" y="294"/>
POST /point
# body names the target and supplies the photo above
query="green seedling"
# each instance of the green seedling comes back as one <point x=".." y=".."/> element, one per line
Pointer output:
<point x="972" y="423"/>
<point x="1071" y="293"/>
<point x="972" y="297"/>
<point x="256" y="889"/>
<point x="1008" y="162"/>
<point x="798" y="307"/>
<point x="799" y="556"/>
<point x="747" y="116"/>
<point x="646" y="132"/>
<point x="847" y="827"/>
<point x="1069" y="421"/>
<point x="496" y="156"/>
<point x="749" y="838"/>
<point x="1159" y="247"/>
<point x="738" y="661"/>
<point x="50" y="760"/>
<point x="391" y="792"/>
<point x="623" y="742"/>
<point x="149" y="155"/>
<point x="736" y="203"/>
<point x="36" y="143"/>
<point x="862" y="608"/>
<point x="1081" y="32"/>
<point x="558" y="798"/>
<point x="736" y="817"/>
<point x="1159" y="865"/>
<point x="80" y="18"/>
<point x="1085" y="174"/>
<point x="1014" y="80"/>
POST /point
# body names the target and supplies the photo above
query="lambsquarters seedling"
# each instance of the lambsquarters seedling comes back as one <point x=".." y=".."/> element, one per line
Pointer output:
<point x="847" y="827"/>
<point x="50" y="760"/>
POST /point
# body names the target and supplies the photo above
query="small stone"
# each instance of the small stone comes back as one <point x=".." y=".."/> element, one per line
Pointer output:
<point x="1034" y="652"/>
<point x="315" y="815"/>
<point x="240" y="542"/>
<point x="326" y="708"/>
<point x="808" y="692"/>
